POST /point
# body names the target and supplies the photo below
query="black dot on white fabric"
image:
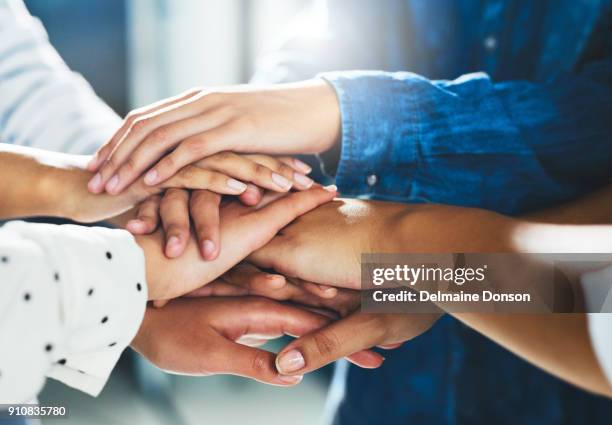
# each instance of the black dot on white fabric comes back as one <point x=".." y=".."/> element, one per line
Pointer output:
<point x="104" y="319"/>
<point x="27" y="297"/>
<point x="112" y="344"/>
<point x="4" y="259"/>
<point x="90" y="292"/>
<point x="49" y="348"/>
<point x="80" y="371"/>
<point x="56" y="277"/>
<point x="109" y="255"/>
<point x="139" y="287"/>
<point x="61" y="361"/>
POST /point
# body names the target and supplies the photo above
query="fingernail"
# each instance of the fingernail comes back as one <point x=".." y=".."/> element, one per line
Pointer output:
<point x="330" y="291"/>
<point x="208" y="248"/>
<point x="290" y="361"/>
<point x="151" y="177"/>
<point x="302" y="180"/>
<point x="281" y="181"/>
<point x="290" y="379"/>
<point x="112" y="184"/>
<point x="95" y="184"/>
<point x="173" y="245"/>
<point x="275" y="281"/>
<point x="135" y="226"/>
<point x="236" y="185"/>
<point x="302" y="166"/>
<point x="331" y="188"/>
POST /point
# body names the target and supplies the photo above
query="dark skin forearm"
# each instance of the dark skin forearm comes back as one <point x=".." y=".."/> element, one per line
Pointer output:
<point x="558" y="343"/>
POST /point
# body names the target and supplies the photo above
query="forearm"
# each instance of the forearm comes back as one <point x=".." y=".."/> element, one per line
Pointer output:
<point x="594" y="208"/>
<point x="558" y="343"/>
<point x="31" y="182"/>
<point x="439" y="140"/>
<point x="36" y="182"/>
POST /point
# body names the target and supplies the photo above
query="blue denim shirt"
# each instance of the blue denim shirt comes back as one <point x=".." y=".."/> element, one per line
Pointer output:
<point x="505" y="105"/>
<point x="532" y="127"/>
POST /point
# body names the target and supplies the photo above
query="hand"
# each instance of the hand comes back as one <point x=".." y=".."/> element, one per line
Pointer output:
<point x="202" y="336"/>
<point x="243" y="229"/>
<point x="175" y="208"/>
<point x="285" y="119"/>
<point x="349" y="337"/>
<point x="335" y="235"/>
<point x="218" y="173"/>
<point x="245" y="279"/>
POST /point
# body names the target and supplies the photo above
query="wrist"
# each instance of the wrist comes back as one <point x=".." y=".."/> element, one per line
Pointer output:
<point x="328" y="108"/>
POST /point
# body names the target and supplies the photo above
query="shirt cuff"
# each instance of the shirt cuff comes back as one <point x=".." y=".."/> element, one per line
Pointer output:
<point x="380" y="133"/>
<point x="103" y="295"/>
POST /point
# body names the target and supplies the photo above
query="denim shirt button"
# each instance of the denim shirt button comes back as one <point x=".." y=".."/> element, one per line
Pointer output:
<point x="490" y="43"/>
<point x="372" y="179"/>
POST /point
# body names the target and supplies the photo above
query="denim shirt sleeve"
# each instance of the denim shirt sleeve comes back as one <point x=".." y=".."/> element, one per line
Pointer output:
<point x="472" y="141"/>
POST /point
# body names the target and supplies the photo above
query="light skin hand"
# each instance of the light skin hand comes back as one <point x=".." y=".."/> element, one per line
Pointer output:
<point x="284" y="119"/>
<point x="44" y="183"/>
<point x="243" y="229"/>
<point x="199" y="336"/>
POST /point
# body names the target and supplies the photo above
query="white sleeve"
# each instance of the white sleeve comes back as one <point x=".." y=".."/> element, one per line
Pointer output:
<point x="71" y="300"/>
<point x="598" y="296"/>
<point x="42" y="103"/>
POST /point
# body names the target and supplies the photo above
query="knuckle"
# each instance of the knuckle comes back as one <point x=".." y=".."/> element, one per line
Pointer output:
<point x="285" y="170"/>
<point x="168" y="163"/>
<point x="130" y="165"/>
<point x="260" y="170"/>
<point x="139" y="125"/>
<point x="224" y="156"/>
<point x="188" y="174"/>
<point x="174" y="194"/>
<point x="260" y="363"/>
<point x="213" y="97"/>
<point x="195" y="146"/>
<point x="131" y="117"/>
<point x="112" y="163"/>
<point x="175" y="228"/>
<point x="158" y="136"/>
<point x="326" y="343"/>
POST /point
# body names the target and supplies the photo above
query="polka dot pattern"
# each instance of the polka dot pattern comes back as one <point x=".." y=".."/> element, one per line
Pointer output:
<point x="91" y="278"/>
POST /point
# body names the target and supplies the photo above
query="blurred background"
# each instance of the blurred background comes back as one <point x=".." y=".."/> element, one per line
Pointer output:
<point x="134" y="52"/>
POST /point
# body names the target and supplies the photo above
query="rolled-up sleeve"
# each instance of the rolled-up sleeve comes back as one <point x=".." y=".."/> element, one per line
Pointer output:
<point x="71" y="300"/>
<point x="510" y="146"/>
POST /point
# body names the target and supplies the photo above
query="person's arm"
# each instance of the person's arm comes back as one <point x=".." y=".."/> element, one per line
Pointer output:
<point x="71" y="300"/>
<point x="42" y="103"/>
<point x="506" y="146"/>
<point x="335" y="235"/>
<point x="36" y="182"/>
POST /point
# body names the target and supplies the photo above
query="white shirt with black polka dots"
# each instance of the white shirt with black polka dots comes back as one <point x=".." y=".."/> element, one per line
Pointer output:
<point x="71" y="300"/>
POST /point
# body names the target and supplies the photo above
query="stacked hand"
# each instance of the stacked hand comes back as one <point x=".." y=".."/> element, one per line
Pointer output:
<point x="181" y="152"/>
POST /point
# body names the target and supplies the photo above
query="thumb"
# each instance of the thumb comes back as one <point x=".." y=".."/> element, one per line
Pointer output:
<point x="343" y="338"/>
